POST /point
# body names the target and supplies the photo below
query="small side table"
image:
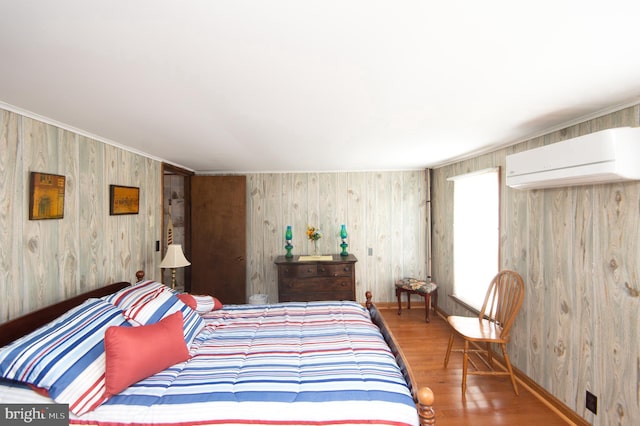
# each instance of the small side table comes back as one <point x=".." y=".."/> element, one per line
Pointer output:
<point x="421" y="288"/>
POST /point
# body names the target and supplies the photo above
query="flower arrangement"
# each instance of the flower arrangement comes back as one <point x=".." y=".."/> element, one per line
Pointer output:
<point x="313" y="233"/>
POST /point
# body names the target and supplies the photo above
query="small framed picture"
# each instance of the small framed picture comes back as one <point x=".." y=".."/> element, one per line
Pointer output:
<point x="46" y="196"/>
<point x="123" y="199"/>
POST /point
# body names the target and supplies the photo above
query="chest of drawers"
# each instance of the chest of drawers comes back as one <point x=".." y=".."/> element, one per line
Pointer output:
<point x="303" y="281"/>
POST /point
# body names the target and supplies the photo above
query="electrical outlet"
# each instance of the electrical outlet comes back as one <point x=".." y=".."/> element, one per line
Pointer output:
<point x="591" y="403"/>
<point x="370" y="252"/>
<point x="157" y="245"/>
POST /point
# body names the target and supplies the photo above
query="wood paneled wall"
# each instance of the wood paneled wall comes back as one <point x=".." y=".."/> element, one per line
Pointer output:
<point x="383" y="211"/>
<point x="44" y="261"/>
<point x="578" y="250"/>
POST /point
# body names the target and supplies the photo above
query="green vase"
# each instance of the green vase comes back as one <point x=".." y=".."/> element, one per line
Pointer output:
<point x="288" y="235"/>
<point x="344" y="245"/>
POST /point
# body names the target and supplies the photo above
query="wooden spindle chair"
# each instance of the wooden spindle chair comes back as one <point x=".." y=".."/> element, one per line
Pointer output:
<point x="501" y="305"/>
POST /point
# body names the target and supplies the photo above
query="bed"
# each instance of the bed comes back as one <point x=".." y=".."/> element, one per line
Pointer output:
<point x="147" y="355"/>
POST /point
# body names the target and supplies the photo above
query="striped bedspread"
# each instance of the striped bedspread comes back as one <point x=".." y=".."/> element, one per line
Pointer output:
<point x="285" y="364"/>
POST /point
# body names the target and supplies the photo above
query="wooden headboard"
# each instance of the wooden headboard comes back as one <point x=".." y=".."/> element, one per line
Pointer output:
<point x="18" y="327"/>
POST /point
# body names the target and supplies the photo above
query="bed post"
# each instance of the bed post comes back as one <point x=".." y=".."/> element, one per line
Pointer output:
<point x="425" y="407"/>
<point x="423" y="396"/>
<point x="368" y="295"/>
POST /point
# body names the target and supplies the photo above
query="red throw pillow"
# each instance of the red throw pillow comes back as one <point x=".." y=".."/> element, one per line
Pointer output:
<point x="135" y="353"/>
<point x="188" y="300"/>
<point x="216" y="304"/>
<point x="39" y="391"/>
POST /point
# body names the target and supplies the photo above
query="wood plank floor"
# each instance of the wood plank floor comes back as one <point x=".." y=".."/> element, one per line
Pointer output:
<point x="488" y="401"/>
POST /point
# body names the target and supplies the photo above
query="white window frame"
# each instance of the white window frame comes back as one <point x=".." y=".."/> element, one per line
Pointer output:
<point x="476" y="229"/>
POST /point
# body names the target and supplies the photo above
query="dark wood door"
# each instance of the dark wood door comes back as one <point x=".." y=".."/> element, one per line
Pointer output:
<point x="218" y="237"/>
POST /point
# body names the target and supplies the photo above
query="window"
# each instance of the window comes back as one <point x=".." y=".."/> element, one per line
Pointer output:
<point x="476" y="234"/>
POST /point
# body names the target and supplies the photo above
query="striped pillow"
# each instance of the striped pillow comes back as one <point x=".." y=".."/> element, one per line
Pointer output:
<point x="206" y="303"/>
<point x="137" y="293"/>
<point x="163" y="304"/>
<point x="202" y="304"/>
<point x="66" y="357"/>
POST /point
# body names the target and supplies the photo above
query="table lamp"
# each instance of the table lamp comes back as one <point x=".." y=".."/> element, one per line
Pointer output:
<point x="174" y="258"/>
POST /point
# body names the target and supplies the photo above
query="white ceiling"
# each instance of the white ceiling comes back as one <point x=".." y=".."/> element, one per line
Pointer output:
<point x="274" y="85"/>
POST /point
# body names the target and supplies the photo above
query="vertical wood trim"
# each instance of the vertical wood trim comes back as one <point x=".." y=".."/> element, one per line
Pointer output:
<point x="68" y="245"/>
<point x="12" y="210"/>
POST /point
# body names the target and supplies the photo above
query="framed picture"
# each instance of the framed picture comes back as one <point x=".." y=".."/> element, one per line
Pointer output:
<point x="46" y="196"/>
<point x="123" y="199"/>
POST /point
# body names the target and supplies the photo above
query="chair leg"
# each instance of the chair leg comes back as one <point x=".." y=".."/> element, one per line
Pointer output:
<point x="434" y="299"/>
<point x="398" y="295"/>
<point x="427" y="307"/>
<point x="509" y="368"/>
<point x="465" y="362"/>
<point x="489" y="355"/>
<point x="449" y="346"/>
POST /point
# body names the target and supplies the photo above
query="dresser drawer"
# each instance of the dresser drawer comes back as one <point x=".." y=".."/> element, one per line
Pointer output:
<point x="339" y="270"/>
<point x="298" y="271"/>
<point x="320" y="296"/>
<point x="315" y="285"/>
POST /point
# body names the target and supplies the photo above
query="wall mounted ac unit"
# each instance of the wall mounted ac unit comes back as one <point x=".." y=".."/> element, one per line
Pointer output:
<point x="607" y="156"/>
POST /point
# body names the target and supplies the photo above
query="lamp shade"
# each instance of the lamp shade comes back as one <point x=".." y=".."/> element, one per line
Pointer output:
<point x="174" y="257"/>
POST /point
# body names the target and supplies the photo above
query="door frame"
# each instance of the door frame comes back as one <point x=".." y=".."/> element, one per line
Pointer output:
<point x="172" y="170"/>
